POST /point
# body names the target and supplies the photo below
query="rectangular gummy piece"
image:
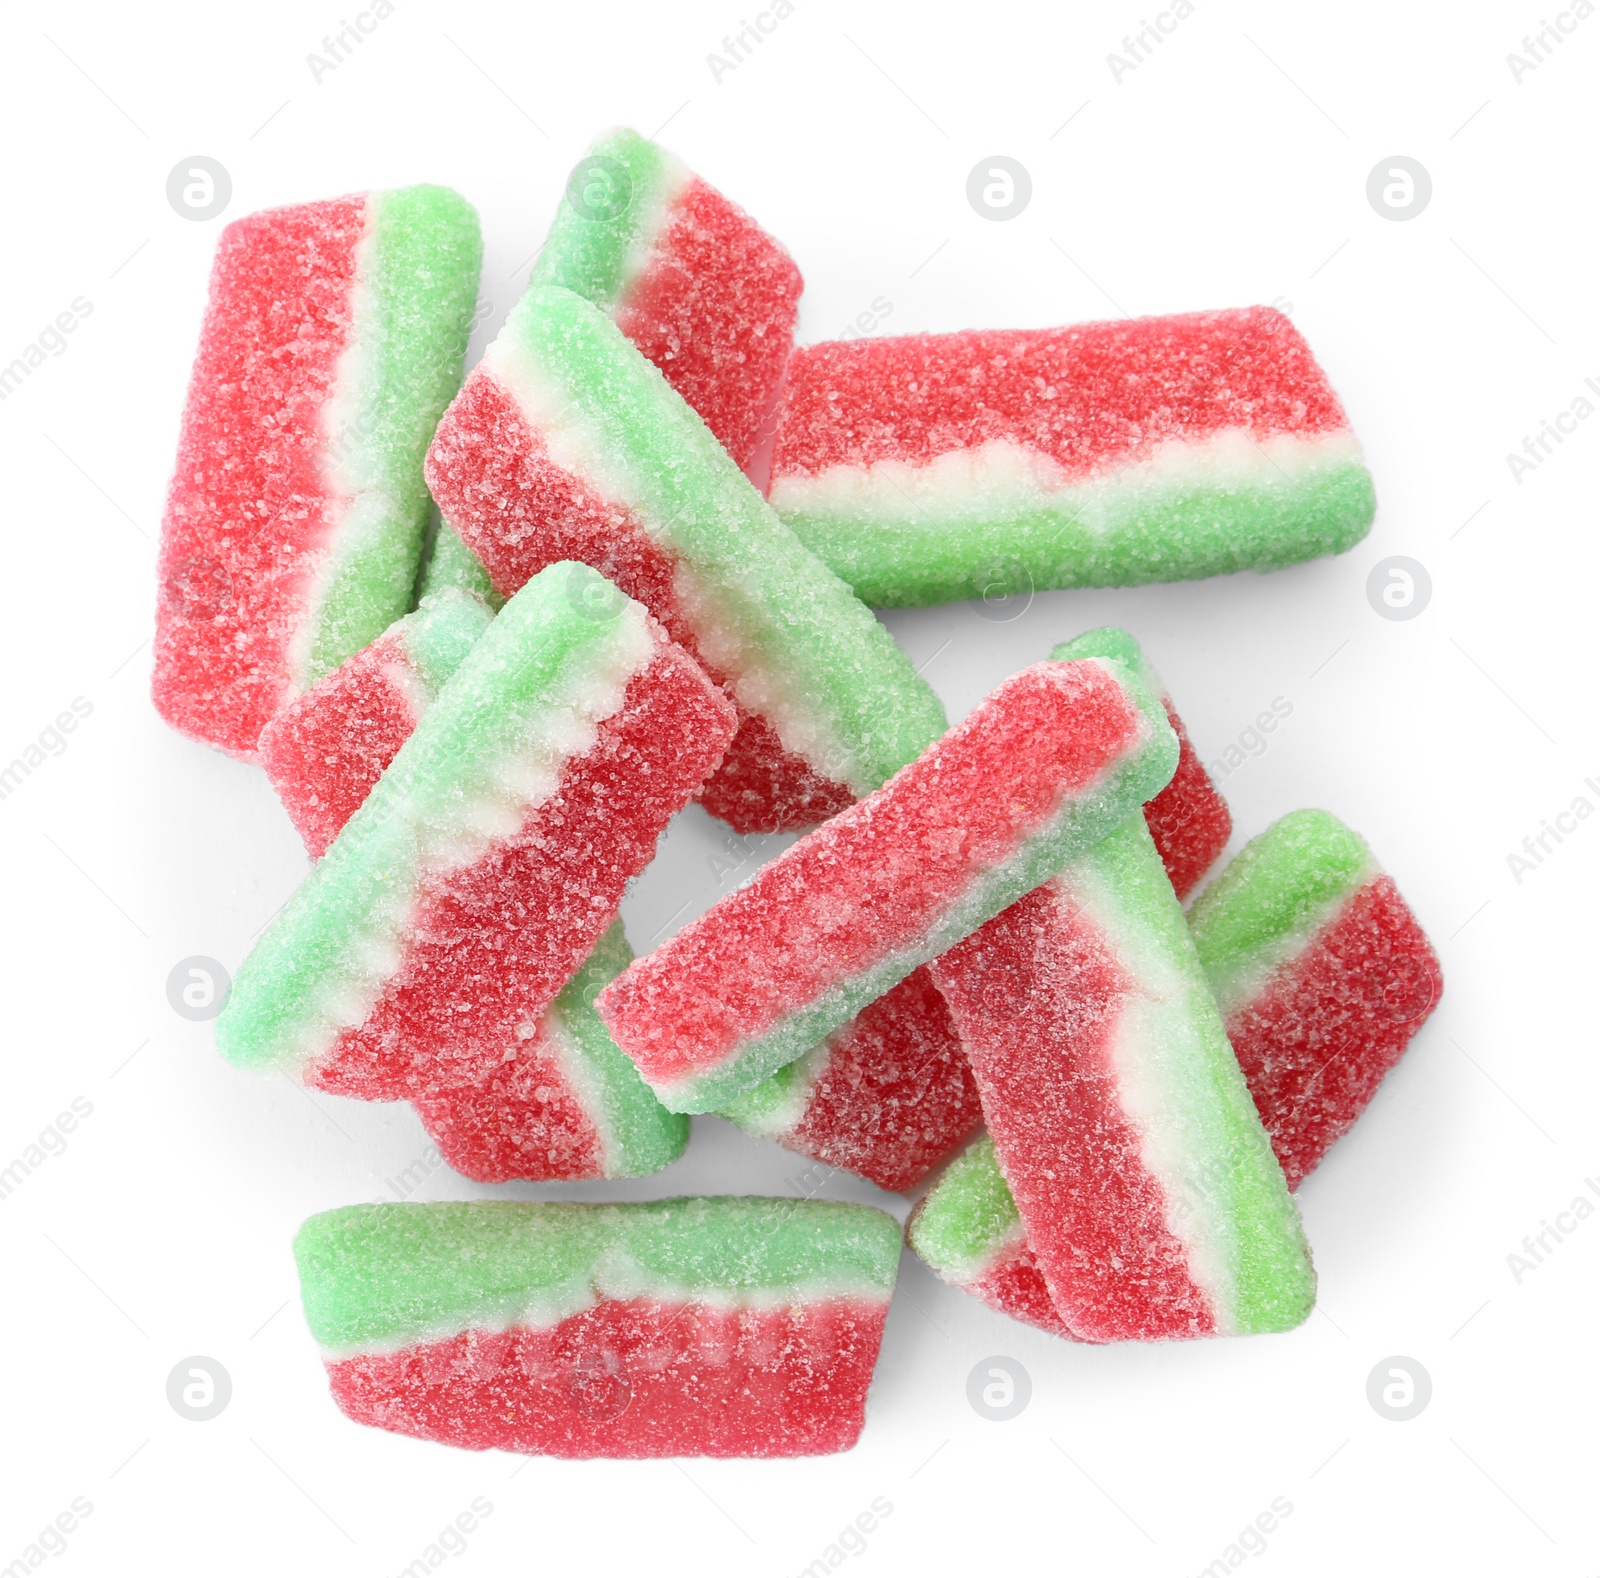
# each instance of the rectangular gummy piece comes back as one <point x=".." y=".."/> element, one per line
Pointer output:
<point x="492" y="854"/>
<point x="565" y="1102"/>
<point x="324" y="749"/>
<point x="693" y="281"/>
<point x="1322" y="973"/>
<point x="332" y="342"/>
<point x="1050" y="762"/>
<point x="1189" y="819"/>
<point x="1145" y="1182"/>
<point x="934" y="468"/>
<point x="888" y="1096"/>
<point x="731" y="1327"/>
<point x="567" y="444"/>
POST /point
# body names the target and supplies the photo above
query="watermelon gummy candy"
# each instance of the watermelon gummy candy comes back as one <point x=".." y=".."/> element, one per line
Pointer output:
<point x="888" y="1096"/>
<point x="1189" y="820"/>
<point x="1050" y="762"/>
<point x="731" y="1327"/>
<point x="491" y="856"/>
<point x="565" y="1104"/>
<point x="1322" y="974"/>
<point x="450" y="565"/>
<point x="968" y="1230"/>
<point x="693" y="281"/>
<point x="566" y="443"/>
<point x="1143" y="1178"/>
<point x="325" y="748"/>
<point x="932" y="468"/>
<point x="332" y="343"/>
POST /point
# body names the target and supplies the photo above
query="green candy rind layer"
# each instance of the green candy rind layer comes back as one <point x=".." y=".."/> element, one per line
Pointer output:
<point x="412" y="313"/>
<point x="452" y="565"/>
<point x="1242" y="1197"/>
<point x="278" y="1016"/>
<point x="768" y="1109"/>
<point x="382" y="1276"/>
<point x="1131" y="543"/>
<point x="591" y="248"/>
<point x="640" y="1135"/>
<point x="1273" y="896"/>
<point x="1110" y="641"/>
<point x="967" y="1217"/>
<point x="1081" y="823"/>
<point x="438" y="636"/>
<point x="777" y="603"/>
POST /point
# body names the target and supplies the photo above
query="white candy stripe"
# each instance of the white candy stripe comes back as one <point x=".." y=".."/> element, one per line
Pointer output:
<point x="1002" y="478"/>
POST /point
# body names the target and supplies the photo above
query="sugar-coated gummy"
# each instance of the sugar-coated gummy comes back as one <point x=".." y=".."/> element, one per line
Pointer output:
<point x="1189" y="819"/>
<point x="1147" y="1187"/>
<point x="728" y="1327"/>
<point x="325" y="748"/>
<point x="449" y="564"/>
<point x="564" y="1103"/>
<point x="332" y="342"/>
<point x="888" y="1096"/>
<point x="968" y="1230"/>
<point x="484" y="867"/>
<point x="932" y="468"/>
<point x="1322" y="973"/>
<point x="566" y="443"/>
<point x="1047" y="764"/>
<point x="692" y="280"/>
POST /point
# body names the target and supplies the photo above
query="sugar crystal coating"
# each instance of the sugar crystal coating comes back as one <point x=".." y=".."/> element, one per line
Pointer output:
<point x="325" y="748"/>
<point x="1323" y="975"/>
<point x="1145" y="1182"/>
<point x="730" y="1327"/>
<point x="888" y="1096"/>
<point x="1189" y="819"/>
<point x="564" y="1103"/>
<point x="928" y="468"/>
<point x="332" y="342"/>
<point x="968" y="1230"/>
<point x="567" y="444"/>
<point x="492" y="854"/>
<point x="693" y="281"/>
<point x="1051" y="761"/>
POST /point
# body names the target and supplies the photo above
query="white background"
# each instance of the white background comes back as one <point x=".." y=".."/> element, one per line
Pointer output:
<point x="1230" y="168"/>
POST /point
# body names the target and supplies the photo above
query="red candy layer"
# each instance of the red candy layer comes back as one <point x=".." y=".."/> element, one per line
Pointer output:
<point x="1037" y="995"/>
<point x="876" y="878"/>
<point x="714" y="309"/>
<point x="1189" y="821"/>
<point x="1015" y="1286"/>
<point x="1316" y="1043"/>
<point x="896" y="1096"/>
<point x="633" y="1378"/>
<point x="488" y="947"/>
<point x="324" y="750"/>
<point x="520" y="512"/>
<point x="523" y="1121"/>
<point x="1091" y="396"/>
<point x="249" y="511"/>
